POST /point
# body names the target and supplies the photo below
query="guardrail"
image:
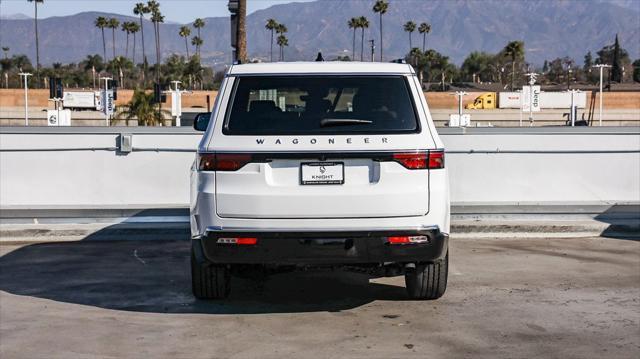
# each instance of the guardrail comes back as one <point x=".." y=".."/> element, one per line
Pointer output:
<point x="83" y="167"/>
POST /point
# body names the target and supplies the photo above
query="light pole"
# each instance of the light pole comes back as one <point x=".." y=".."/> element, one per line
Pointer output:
<point x="26" y="98"/>
<point x="532" y="81"/>
<point x="105" y="99"/>
<point x="601" y="67"/>
<point x="372" y="43"/>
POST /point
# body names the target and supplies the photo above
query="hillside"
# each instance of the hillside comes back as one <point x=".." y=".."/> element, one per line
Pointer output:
<point x="549" y="28"/>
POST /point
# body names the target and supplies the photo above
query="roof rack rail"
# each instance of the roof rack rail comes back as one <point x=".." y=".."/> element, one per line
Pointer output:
<point x="398" y="61"/>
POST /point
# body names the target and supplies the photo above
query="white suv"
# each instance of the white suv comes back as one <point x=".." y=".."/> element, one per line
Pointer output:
<point x="319" y="164"/>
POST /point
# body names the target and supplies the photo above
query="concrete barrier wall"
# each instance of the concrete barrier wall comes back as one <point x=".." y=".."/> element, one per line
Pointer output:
<point x="81" y="167"/>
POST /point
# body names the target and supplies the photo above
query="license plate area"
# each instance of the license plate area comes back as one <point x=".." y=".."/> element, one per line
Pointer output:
<point x="321" y="173"/>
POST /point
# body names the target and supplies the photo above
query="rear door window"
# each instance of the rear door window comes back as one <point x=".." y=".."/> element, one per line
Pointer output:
<point x="295" y="105"/>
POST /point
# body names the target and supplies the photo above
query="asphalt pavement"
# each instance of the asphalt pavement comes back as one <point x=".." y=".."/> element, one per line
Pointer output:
<point x="507" y="298"/>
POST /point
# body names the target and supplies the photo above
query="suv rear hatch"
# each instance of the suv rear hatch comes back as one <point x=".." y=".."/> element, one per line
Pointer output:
<point x="321" y="147"/>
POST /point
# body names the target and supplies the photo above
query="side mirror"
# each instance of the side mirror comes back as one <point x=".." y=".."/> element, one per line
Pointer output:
<point x="201" y="121"/>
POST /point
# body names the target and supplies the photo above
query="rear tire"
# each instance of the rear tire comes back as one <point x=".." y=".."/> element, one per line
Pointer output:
<point x="208" y="281"/>
<point x="428" y="280"/>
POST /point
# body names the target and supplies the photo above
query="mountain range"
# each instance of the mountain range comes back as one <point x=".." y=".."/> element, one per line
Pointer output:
<point x="549" y="28"/>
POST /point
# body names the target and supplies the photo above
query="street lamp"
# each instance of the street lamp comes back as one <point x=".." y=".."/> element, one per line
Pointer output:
<point x="601" y="67"/>
<point x="26" y="98"/>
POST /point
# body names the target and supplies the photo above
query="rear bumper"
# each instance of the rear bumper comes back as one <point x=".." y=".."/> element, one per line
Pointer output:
<point x="323" y="248"/>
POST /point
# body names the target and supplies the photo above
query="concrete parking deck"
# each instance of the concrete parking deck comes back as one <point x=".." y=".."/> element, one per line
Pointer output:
<point x="507" y="298"/>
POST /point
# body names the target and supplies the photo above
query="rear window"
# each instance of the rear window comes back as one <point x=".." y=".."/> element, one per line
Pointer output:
<point x="294" y="105"/>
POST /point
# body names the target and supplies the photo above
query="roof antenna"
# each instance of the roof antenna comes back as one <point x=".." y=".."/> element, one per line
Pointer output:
<point x="319" y="57"/>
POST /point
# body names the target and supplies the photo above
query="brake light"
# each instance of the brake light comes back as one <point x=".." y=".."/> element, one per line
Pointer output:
<point x="412" y="161"/>
<point x="408" y="239"/>
<point x="222" y="161"/>
<point x="241" y="241"/>
<point x="436" y="159"/>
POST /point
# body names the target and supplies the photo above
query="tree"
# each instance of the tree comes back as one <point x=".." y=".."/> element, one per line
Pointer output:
<point x="282" y="42"/>
<point x="242" y="31"/>
<point x="381" y="7"/>
<point x="424" y="29"/>
<point x="93" y="62"/>
<point x="126" y="28"/>
<point x="113" y="25"/>
<point x="35" y="19"/>
<point x="198" y="24"/>
<point x="363" y="23"/>
<point x="410" y="27"/>
<point x="133" y="28"/>
<point x="156" y="18"/>
<point x="353" y="24"/>
<point x="5" y="49"/>
<point x="197" y="42"/>
<point x="141" y="9"/>
<point x="476" y="66"/>
<point x="616" y="66"/>
<point x="101" y="22"/>
<point x="185" y="31"/>
<point x="271" y="25"/>
<point x="515" y="51"/>
<point x="142" y="109"/>
<point x="636" y="70"/>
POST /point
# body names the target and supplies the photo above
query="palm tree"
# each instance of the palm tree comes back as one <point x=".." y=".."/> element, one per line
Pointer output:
<point x="353" y="24"/>
<point x="271" y="25"/>
<point x="381" y="7"/>
<point x="241" y="47"/>
<point x="197" y="42"/>
<point x="198" y="24"/>
<point x="363" y="23"/>
<point x="113" y="25"/>
<point x="282" y="42"/>
<point x="424" y="29"/>
<point x="185" y="31"/>
<point x="156" y="18"/>
<point x="5" y="49"/>
<point x="35" y="8"/>
<point x="514" y="50"/>
<point x="101" y="22"/>
<point x="410" y="27"/>
<point x="142" y="109"/>
<point x="133" y="28"/>
<point x="126" y="28"/>
<point x="141" y="9"/>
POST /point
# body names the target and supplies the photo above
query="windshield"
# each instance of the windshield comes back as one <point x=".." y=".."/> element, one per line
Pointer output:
<point x="293" y="105"/>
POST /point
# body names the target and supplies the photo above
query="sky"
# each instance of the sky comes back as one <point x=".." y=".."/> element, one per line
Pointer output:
<point x="182" y="11"/>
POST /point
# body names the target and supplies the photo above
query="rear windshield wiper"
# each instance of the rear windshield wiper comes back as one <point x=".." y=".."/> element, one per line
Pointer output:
<point x="326" y="122"/>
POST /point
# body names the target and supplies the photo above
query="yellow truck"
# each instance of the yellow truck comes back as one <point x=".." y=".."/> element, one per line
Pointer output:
<point x="486" y="101"/>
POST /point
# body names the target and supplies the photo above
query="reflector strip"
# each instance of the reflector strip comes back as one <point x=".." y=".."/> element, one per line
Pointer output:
<point x="243" y="241"/>
<point x="408" y="239"/>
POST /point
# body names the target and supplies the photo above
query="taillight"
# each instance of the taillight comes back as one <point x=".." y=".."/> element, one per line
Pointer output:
<point x="222" y="161"/>
<point x="421" y="160"/>
<point x="412" y="161"/>
<point x="240" y="241"/>
<point x="436" y="159"/>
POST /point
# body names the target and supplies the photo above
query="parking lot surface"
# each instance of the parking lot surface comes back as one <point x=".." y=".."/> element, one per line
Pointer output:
<point x="507" y="298"/>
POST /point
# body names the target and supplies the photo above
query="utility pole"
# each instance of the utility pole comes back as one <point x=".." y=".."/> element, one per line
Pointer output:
<point x="372" y="43"/>
<point x="26" y="97"/>
<point x="105" y="99"/>
<point x="601" y="67"/>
